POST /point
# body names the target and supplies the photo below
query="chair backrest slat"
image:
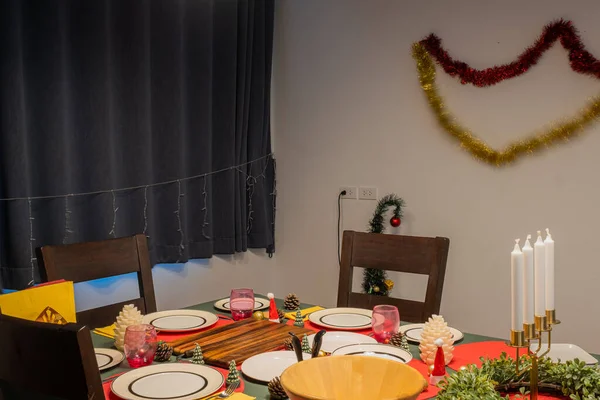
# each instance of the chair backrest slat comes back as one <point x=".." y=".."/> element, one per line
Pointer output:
<point x="82" y="262"/>
<point x="411" y="254"/>
<point x="48" y="359"/>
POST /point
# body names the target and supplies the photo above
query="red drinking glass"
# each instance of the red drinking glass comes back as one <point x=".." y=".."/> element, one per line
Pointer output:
<point x="140" y="345"/>
<point x="385" y="322"/>
<point x="241" y="303"/>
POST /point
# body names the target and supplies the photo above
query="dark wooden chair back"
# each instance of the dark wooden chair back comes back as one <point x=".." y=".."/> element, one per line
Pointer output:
<point x="42" y="360"/>
<point x="82" y="262"/>
<point x="417" y="255"/>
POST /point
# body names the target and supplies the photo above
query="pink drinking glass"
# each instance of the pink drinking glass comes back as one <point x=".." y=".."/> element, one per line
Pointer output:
<point x="140" y="345"/>
<point x="385" y="322"/>
<point x="241" y="303"/>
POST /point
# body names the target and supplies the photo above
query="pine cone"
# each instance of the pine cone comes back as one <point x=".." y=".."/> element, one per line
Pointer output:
<point x="291" y="302"/>
<point x="396" y="339"/>
<point x="276" y="390"/>
<point x="281" y="314"/>
<point x="288" y="344"/>
<point x="399" y="340"/>
<point x="163" y="352"/>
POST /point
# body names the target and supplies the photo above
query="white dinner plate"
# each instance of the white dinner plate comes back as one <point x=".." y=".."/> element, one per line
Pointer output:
<point x="343" y="318"/>
<point x="180" y="320"/>
<point x="413" y="333"/>
<point x="334" y="340"/>
<point x="266" y="366"/>
<point x="375" y="350"/>
<point x="259" y="304"/>
<point x="108" y="358"/>
<point x="174" y="381"/>
<point x="562" y="352"/>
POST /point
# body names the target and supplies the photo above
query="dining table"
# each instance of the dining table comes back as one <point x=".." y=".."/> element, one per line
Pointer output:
<point x="254" y="389"/>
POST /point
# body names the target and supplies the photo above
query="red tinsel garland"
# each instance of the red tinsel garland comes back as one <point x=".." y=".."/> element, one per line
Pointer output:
<point x="581" y="60"/>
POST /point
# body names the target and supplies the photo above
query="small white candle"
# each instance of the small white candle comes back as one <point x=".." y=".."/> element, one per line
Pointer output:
<point x="539" y="260"/>
<point x="516" y="278"/>
<point x="549" y="246"/>
<point x="528" y="282"/>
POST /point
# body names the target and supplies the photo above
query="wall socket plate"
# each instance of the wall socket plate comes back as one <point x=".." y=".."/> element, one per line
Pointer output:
<point x="367" y="193"/>
<point x="351" y="192"/>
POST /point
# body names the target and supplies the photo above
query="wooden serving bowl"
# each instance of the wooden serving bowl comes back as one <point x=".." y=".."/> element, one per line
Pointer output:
<point x="352" y="378"/>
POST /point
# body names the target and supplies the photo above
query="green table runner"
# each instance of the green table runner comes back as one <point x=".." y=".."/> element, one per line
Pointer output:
<point x="253" y="389"/>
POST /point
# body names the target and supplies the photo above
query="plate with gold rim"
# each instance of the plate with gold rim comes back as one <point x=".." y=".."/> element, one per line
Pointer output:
<point x="342" y="318"/>
<point x="180" y="320"/>
<point x="168" y="381"/>
<point x="108" y="358"/>
<point x="413" y="333"/>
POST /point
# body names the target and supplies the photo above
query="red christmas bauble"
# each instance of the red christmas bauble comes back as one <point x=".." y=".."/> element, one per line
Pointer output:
<point x="395" y="222"/>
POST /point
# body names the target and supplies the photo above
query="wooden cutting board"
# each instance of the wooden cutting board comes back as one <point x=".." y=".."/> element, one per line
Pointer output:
<point x="238" y="341"/>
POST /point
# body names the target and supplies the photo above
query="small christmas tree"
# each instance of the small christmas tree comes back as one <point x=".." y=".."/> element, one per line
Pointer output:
<point x="198" y="357"/>
<point x="299" y="321"/>
<point x="305" y="345"/>
<point x="233" y="375"/>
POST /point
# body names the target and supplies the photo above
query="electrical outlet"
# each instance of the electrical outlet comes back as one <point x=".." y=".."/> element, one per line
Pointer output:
<point x="367" y="193"/>
<point x="350" y="192"/>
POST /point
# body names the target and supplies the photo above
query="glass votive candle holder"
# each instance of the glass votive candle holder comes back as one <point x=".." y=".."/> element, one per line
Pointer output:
<point x="385" y="322"/>
<point x="241" y="303"/>
<point x="140" y="345"/>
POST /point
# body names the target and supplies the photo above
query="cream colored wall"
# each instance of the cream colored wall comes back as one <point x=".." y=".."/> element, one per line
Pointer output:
<point x="348" y="110"/>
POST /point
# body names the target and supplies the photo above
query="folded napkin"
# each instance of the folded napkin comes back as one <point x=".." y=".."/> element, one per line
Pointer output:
<point x="107" y="331"/>
<point x="304" y="313"/>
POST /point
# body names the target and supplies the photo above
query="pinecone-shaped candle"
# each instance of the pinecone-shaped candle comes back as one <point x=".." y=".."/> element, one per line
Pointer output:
<point x="130" y="315"/>
<point x="299" y="320"/>
<point x="291" y="302"/>
<point x="436" y="328"/>
<point x="163" y="352"/>
<point x="198" y="357"/>
<point x="399" y="340"/>
<point x="287" y="344"/>
<point x="233" y="375"/>
<point x="276" y="390"/>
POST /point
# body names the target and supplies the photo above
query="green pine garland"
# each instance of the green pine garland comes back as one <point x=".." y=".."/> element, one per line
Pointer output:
<point x="374" y="279"/>
<point x="574" y="379"/>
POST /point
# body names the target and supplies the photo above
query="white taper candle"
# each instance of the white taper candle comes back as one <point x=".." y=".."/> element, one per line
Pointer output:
<point x="539" y="261"/>
<point x="549" y="246"/>
<point x="516" y="275"/>
<point x="528" y="282"/>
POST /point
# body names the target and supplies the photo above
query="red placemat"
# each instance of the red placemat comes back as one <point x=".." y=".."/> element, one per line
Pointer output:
<point x="465" y="354"/>
<point x="167" y="337"/>
<point x="111" y="396"/>
<point x="431" y="390"/>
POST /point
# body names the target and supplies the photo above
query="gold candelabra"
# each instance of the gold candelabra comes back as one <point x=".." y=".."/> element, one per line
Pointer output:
<point x="532" y="333"/>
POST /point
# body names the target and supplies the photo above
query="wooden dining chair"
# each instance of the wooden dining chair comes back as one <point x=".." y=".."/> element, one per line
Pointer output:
<point x="82" y="262"/>
<point x="412" y="254"/>
<point x="47" y="361"/>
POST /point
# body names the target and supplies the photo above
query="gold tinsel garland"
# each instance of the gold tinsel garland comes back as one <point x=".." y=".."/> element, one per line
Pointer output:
<point x="561" y="131"/>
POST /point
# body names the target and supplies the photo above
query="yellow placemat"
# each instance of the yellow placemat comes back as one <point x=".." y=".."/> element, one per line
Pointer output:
<point x="235" y="396"/>
<point x="304" y="313"/>
<point x="107" y="331"/>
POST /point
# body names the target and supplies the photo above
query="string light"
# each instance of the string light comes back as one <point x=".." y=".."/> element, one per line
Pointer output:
<point x="250" y="182"/>
<point x="205" y="210"/>
<point x="115" y="209"/>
